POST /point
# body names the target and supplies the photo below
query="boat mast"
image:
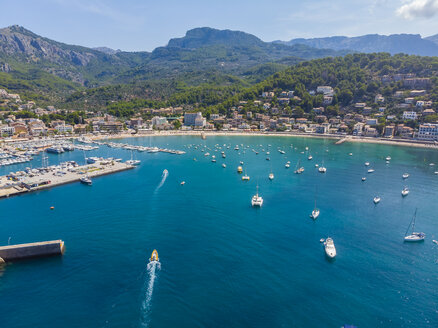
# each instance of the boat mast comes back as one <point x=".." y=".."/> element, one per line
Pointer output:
<point x="412" y="223"/>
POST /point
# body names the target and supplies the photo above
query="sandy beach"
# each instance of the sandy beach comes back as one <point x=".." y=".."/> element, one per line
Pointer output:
<point x="348" y="138"/>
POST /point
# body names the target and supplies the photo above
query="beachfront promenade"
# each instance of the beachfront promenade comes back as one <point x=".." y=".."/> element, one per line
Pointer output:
<point x="38" y="179"/>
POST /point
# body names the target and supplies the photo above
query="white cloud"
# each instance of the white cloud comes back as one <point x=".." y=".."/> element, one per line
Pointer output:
<point x="418" y="8"/>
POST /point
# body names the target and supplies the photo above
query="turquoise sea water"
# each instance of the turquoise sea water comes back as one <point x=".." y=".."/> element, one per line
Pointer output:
<point x="224" y="263"/>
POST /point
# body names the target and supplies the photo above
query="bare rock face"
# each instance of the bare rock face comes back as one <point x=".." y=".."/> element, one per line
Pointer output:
<point x="16" y="40"/>
<point x="4" y="67"/>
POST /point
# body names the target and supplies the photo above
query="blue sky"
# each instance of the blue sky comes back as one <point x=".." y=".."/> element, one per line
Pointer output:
<point x="144" y="24"/>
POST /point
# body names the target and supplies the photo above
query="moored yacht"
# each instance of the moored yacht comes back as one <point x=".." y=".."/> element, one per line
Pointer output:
<point x="414" y="236"/>
<point x="405" y="191"/>
<point x="329" y="247"/>
<point x="257" y="200"/>
<point x="245" y="177"/>
<point x="271" y="176"/>
<point x="86" y="180"/>
<point x="405" y="175"/>
<point x="376" y="200"/>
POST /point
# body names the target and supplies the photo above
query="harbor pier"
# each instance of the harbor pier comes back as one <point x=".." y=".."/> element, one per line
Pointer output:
<point x="39" y="249"/>
<point x="43" y="178"/>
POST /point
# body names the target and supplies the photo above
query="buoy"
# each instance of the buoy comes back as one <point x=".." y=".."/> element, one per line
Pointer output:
<point x="52" y="207"/>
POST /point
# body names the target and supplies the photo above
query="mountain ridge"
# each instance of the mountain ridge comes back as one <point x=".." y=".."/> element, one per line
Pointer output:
<point x="411" y="44"/>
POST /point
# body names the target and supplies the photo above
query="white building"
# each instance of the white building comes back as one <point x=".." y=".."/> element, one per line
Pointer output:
<point x="325" y="89"/>
<point x="7" y="131"/>
<point x="428" y="131"/>
<point x="158" y="121"/>
<point x="194" y="119"/>
<point x="409" y="115"/>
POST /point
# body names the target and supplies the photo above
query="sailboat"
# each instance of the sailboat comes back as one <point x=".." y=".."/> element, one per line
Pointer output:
<point x="257" y="200"/>
<point x="315" y="212"/>
<point x="133" y="161"/>
<point x="414" y="236"/>
<point x="299" y="169"/>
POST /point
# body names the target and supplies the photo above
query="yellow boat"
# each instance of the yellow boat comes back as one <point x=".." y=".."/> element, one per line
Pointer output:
<point x="154" y="256"/>
<point x="239" y="169"/>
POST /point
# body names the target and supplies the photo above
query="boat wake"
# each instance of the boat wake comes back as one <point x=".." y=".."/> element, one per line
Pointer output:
<point x="152" y="268"/>
<point x="163" y="179"/>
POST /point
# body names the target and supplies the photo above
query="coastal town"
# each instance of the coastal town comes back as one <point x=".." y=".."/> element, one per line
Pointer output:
<point x="407" y="114"/>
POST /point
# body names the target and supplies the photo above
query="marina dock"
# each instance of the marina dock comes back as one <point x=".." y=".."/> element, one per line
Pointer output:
<point x="43" y="178"/>
<point x="39" y="249"/>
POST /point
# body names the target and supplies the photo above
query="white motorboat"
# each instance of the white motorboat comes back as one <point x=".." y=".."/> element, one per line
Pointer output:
<point x="405" y="175"/>
<point x="257" y="200"/>
<point x="245" y="177"/>
<point x="86" y="180"/>
<point x="271" y="176"/>
<point x="388" y="158"/>
<point x="414" y="236"/>
<point x="376" y="200"/>
<point x="224" y="165"/>
<point x="287" y="165"/>
<point x="133" y="162"/>
<point x="310" y="157"/>
<point x="329" y="247"/>
<point x="405" y="191"/>
<point x="367" y="163"/>
<point x="322" y="169"/>
<point x="370" y="171"/>
<point x="363" y="178"/>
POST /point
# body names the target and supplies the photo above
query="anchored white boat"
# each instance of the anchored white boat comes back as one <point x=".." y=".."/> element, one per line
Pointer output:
<point x="414" y="236"/>
<point x="405" y="175"/>
<point x="271" y="176"/>
<point x="405" y="191"/>
<point x="330" y="248"/>
<point x="363" y="178"/>
<point x="256" y="200"/>
<point x="370" y="171"/>
<point x="322" y="169"/>
<point x="376" y="200"/>
<point x="367" y="163"/>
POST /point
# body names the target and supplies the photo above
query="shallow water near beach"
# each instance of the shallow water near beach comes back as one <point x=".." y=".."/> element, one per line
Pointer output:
<point x="224" y="263"/>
